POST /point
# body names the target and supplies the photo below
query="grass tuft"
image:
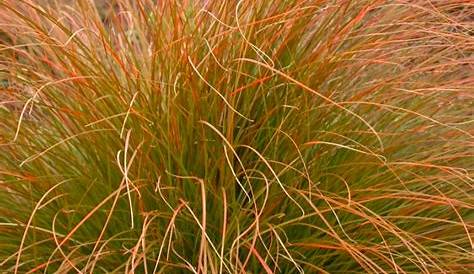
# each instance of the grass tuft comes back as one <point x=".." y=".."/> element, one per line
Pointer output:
<point x="144" y="136"/>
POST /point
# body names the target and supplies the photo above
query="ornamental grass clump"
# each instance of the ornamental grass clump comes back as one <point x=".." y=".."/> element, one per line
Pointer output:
<point x="141" y="136"/>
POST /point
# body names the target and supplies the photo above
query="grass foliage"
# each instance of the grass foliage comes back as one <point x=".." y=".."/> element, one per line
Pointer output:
<point x="325" y="136"/>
